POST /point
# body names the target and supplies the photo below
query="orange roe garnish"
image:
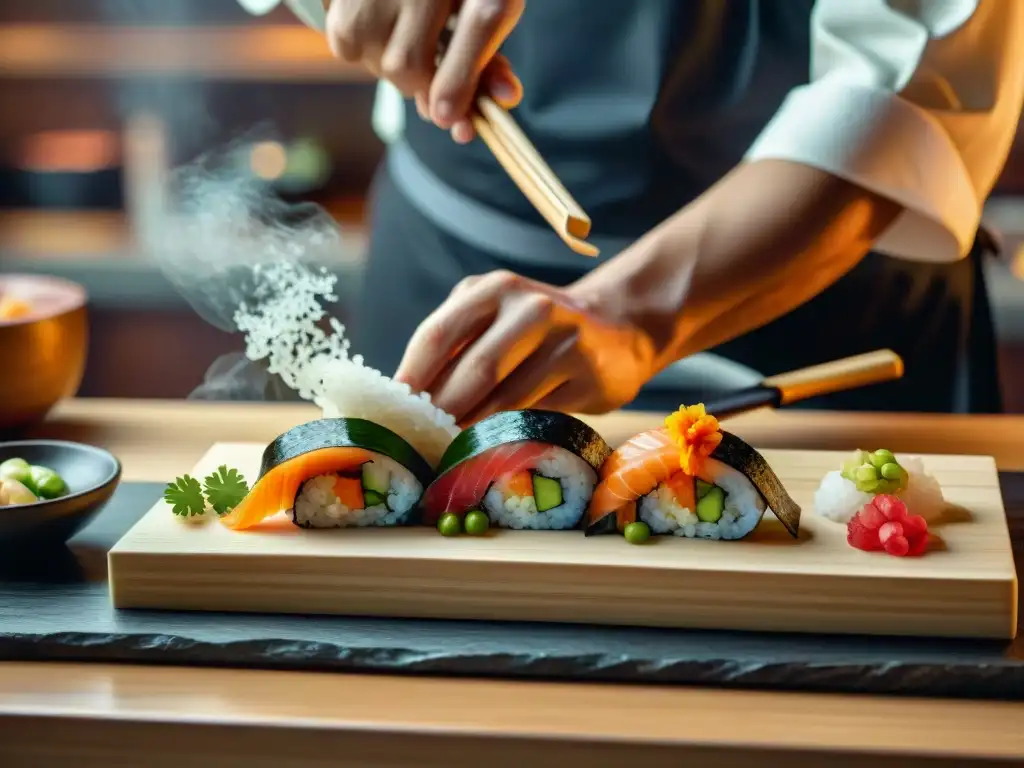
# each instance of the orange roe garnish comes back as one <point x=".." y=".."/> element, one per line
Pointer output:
<point x="696" y="433"/>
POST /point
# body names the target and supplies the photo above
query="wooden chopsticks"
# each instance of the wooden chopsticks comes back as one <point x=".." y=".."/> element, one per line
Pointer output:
<point x="523" y="163"/>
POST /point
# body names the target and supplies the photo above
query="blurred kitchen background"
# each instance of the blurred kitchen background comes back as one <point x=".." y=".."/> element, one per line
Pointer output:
<point x="97" y="97"/>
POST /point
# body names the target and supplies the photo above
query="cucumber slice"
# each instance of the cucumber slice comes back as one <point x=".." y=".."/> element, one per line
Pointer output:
<point x="702" y="488"/>
<point x="374" y="498"/>
<point x="710" y="508"/>
<point x="547" y="493"/>
<point x="375" y="478"/>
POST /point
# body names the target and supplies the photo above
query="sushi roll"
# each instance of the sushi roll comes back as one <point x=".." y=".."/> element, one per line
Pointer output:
<point x="336" y="473"/>
<point x="690" y="479"/>
<point x="521" y="469"/>
<point x="865" y="474"/>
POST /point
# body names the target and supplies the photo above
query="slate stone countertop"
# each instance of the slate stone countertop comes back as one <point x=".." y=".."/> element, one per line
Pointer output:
<point x="55" y="607"/>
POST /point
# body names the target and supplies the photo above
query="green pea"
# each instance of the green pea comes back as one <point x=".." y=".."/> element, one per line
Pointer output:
<point x="892" y="471"/>
<point x="47" y="483"/>
<point x="16" y="469"/>
<point x="449" y="524"/>
<point x="637" y="533"/>
<point x="867" y="475"/>
<point x="476" y="523"/>
<point x="881" y="457"/>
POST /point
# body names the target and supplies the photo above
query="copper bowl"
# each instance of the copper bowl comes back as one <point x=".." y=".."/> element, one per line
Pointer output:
<point x="43" y="351"/>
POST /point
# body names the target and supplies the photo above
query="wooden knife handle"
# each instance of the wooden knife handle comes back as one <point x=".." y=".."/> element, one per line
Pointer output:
<point x="838" y="375"/>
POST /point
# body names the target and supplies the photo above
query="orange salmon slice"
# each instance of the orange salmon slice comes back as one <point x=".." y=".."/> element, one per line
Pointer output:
<point x="632" y="471"/>
<point x="684" y="489"/>
<point x="275" y="491"/>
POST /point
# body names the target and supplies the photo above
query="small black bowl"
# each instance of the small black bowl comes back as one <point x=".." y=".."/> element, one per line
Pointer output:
<point x="92" y="475"/>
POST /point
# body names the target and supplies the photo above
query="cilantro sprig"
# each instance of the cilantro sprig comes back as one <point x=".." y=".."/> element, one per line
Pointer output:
<point x="223" y="490"/>
<point x="185" y="496"/>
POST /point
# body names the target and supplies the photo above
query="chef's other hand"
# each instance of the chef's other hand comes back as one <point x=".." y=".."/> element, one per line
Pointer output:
<point x="503" y="342"/>
<point x="397" y="40"/>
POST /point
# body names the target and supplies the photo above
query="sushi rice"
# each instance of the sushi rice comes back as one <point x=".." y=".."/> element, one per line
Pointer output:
<point x="577" y="479"/>
<point x="742" y="511"/>
<point x="317" y="506"/>
<point x="839" y="500"/>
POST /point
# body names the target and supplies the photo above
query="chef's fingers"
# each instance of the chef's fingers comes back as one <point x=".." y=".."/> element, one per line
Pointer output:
<point x="357" y="32"/>
<point x="470" y="307"/>
<point x="482" y="27"/>
<point x="544" y="371"/>
<point x="519" y="329"/>
<point x="463" y="132"/>
<point x="422" y="105"/>
<point x="502" y="85"/>
<point x="578" y="395"/>
<point x="408" y="60"/>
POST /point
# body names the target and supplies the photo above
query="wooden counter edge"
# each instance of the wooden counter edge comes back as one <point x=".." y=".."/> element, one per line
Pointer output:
<point x="270" y="717"/>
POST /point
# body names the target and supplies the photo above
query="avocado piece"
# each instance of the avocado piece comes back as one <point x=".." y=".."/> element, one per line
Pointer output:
<point x="703" y="486"/>
<point x="373" y="498"/>
<point x="709" y="509"/>
<point x="375" y="479"/>
<point x="547" y="493"/>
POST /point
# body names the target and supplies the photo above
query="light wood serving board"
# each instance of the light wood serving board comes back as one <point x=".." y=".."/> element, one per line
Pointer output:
<point x="965" y="586"/>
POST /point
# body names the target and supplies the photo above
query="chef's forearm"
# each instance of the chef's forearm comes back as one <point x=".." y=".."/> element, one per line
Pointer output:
<point x="767" y="238"/>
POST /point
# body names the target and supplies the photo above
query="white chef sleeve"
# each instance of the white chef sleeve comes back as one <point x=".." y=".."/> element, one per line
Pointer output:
<point x="915" y="101"/>
<point x="310" y="12"/>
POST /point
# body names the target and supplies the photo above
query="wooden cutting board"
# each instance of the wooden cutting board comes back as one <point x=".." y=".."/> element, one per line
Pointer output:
<point x="965" y="586"/>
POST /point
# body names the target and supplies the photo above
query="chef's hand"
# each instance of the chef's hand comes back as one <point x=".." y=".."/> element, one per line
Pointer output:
<point x="397" y="40"/>
<point x="503" y="342"/>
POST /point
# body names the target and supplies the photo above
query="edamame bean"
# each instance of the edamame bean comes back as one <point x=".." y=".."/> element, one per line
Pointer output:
<point x="476" y="523"/>
<point x="47" y="483"/>
<point x="637" y="533"/>
<point x="449" y="524"/>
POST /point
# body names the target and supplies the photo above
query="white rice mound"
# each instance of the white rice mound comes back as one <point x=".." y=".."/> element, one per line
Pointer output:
<point x="839" y="500"/>
<point x="578" y="480"/>
<point x="923" y="494"/>
<point x="353" y="391"/>
<point x="282" y="325"/>
<point x="318" y="507"/>
<point x="741" y="513"/>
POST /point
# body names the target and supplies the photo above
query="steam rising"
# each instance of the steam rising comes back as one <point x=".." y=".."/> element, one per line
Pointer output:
<point x="250" y="263"/>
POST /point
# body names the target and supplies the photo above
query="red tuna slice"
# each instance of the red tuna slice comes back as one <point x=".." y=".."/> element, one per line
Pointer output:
<point x="892" y="507"/>
<point x="860" y="536"/>
<point x="915" y="528"/>
<point x="917" y="544"/>
<point x="883" y="524"/>
<point x="463" y="486"/>
<point x="897" y="546"/>
<point x="890" y="530"/>
<point x="871" y="517"/>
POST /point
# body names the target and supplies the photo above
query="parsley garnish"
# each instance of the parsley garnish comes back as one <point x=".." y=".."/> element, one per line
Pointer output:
<point x="225" y="489"/>
<point x="185" y="497"/>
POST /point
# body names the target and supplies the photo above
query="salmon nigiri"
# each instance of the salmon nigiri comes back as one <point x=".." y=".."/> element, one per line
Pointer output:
<point x="690" y="479"/>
